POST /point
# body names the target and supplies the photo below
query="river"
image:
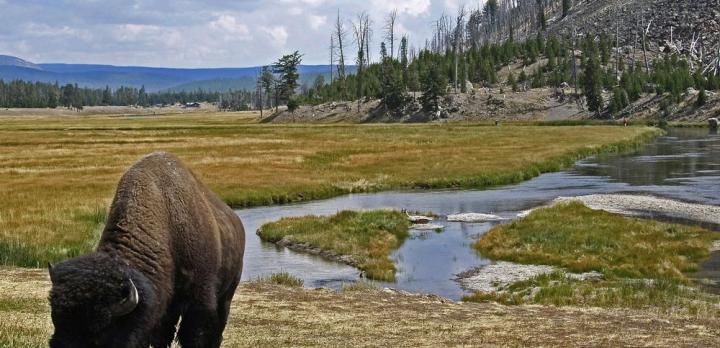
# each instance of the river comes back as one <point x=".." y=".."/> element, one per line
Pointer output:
<point x="683" y="165"/>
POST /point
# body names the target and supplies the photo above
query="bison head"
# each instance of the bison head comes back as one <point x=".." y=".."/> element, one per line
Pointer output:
<point x="93" y="298"/>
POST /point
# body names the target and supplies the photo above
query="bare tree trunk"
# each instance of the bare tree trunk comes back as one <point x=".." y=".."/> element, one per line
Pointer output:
<point x="340" y="35"/>
<point x="574" y="62"/>
<point x="617" y="52"/>
<point x="390" y="31"/>
<point x="644" y="43"/>
<point x="332" y="57"/>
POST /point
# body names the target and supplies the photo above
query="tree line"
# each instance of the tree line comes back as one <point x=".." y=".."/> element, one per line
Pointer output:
<point x="455" y="55"/>
<point x="23" y="94"/>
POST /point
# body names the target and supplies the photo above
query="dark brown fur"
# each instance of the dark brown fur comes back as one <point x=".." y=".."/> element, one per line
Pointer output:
<point x="181" y="246"/>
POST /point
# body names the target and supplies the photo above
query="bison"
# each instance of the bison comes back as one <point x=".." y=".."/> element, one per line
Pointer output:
<point x="171" y="249"/>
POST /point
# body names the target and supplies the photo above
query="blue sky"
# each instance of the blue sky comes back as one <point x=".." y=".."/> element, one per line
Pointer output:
<point x="190" y="33"/>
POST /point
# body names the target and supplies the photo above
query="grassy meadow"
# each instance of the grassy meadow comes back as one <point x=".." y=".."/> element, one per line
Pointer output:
<point x="644" y="263"/>
<point x="58" y="174"/>
<point x="368" y="237"/>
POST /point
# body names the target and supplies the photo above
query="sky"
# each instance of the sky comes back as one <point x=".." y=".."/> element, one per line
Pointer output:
<point x="193" y="34"/>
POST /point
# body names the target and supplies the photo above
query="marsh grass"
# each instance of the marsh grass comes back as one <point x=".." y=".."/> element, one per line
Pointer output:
<point x="368" y="237"/>
<point x="56" y="172"/>
<point x="662" y="295"/>
<point x="580" y="239"/>
<point x="644" y="262"/>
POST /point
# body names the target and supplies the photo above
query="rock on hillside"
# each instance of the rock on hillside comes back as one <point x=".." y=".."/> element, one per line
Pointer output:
<point x="684" y="17"/>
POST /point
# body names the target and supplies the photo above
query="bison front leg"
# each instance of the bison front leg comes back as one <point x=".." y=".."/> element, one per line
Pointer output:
<point x="200" y="327"/>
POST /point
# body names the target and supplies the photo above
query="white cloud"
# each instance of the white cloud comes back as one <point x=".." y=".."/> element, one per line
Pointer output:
<point x="230" y="25"/>
<point x="316" y="21"/>
<point x="278" y="34"/>
<point x="410" y="7"/>
<point x="194" y="33"/>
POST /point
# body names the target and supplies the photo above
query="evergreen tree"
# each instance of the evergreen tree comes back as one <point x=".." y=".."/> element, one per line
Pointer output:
<point x="592" y="86"/>
<point x="143" y="97"/>
<point x="287" y="69"/>
<point x="434" y="85"/>
<point x="511" y="81"/>
<point x="702" y="97"/>
<point x="393" y="91"/>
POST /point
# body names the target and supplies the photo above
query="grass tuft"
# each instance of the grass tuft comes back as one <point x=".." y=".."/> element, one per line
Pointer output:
<point x="283" y="278"/>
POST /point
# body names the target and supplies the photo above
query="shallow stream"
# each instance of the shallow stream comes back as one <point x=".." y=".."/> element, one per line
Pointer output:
<point x="683" y="165"/>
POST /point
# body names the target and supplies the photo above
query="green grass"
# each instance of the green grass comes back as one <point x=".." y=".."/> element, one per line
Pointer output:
<point x="580" y="239"/>
<point x="644" y="262"/>
<point x="367" y="237"/>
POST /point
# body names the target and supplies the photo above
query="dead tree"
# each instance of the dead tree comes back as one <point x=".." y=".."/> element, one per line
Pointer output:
<point x="361" y="30"/>
<point x="713" y="68"/>
<point x="389" y="28"/>
<point x="458" y="41"/>
<point x="644" y="43"/>
<point x="340" y="35"/>
<point x="332" y="57"/>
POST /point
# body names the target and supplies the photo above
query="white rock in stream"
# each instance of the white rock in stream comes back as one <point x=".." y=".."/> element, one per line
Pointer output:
<point x="473" y="217"/>
<point x="497" y="276"/>
<point x="636" y="205"/>
<point x="494" y="277"/>
<point x="426" y="227"/>
<point x="419" y="219"/>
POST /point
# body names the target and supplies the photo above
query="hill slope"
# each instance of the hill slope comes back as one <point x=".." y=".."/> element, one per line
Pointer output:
<point x="154" y="79"/>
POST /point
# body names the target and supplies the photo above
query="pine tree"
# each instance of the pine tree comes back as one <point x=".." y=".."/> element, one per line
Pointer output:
<point x="434" y="85"/>
<point x="287" y="68"/>
<point x="592" y="78"/>
<point x="393" y="91"/>
<point x="702" y="98"/>
<point x="511" y="81"/>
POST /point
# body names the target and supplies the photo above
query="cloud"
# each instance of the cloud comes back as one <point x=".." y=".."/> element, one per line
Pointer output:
<point x="194" y="33"/>
<point x="278" y="35"/>
<point x="410" y="7"/>
<point x="230" y="26"/>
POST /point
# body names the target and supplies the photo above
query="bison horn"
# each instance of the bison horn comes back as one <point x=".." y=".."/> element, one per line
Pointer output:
<point x="127" y="305"/>
<point x="50" y="271"/>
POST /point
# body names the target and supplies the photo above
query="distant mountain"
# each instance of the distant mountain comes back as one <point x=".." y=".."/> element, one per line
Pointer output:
<point x="154" y="79"/>
<point x="308" y="74"/>
<point x="15" y="61"/>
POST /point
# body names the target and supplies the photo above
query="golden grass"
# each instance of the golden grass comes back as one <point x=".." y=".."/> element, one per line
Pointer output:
<point x="267" y="315"/>
<point x="58" y="174"/>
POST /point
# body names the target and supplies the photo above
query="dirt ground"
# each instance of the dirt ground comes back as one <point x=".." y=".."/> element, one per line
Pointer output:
<point x="265" y="315"/>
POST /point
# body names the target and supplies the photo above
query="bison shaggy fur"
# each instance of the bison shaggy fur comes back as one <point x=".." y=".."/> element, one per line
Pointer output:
<point x="171" y="252"/>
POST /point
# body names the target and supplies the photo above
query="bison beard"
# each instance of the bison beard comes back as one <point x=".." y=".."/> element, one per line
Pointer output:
<point x="171" y="252"/>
